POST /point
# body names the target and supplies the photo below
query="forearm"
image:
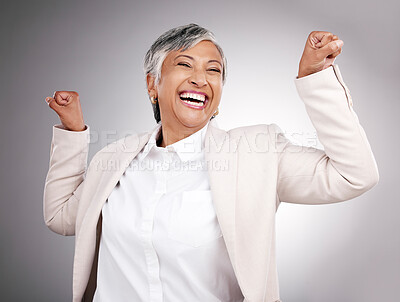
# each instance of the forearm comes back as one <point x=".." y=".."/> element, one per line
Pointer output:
<point x="329" y="105"/>
<point x="64" y="181"/>
<point x="346" y="167"/>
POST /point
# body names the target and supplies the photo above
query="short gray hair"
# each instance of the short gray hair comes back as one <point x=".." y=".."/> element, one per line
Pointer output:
<point x="185" y="36"/>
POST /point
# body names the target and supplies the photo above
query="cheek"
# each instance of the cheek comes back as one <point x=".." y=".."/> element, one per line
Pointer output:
<point x="217" y="88"/>
<point x="169" y="87"/>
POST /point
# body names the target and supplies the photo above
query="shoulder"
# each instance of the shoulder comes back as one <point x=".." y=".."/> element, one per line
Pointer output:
<point x="270" y="130"/>
<point x="261" y="137"/>
<point x="129" y="143"/>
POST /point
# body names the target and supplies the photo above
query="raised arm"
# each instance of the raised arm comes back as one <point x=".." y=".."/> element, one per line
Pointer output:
<point x="346" y="167"/>
<point x="68" y="164"/>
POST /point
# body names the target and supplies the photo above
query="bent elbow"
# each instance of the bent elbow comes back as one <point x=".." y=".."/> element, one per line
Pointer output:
<point x="57" y="227"/>
<point x="358" y="185"/>
<point x="374" y="179"/>
<point x="370" y="180"/>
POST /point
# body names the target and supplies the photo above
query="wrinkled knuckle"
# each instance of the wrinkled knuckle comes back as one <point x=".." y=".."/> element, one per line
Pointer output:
<point x="333" y="46"/>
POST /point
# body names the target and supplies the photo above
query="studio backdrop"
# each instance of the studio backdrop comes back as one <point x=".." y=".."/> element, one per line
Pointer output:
<point x="348" y="251"/>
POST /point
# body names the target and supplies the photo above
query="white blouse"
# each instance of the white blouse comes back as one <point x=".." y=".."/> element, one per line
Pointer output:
<point x="160" y="239"/>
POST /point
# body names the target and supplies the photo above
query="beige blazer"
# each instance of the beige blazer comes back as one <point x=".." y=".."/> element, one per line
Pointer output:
<point x="253" y="169"/>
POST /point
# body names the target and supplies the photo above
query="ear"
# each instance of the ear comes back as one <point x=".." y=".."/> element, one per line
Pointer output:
<point x="151" y="87"/>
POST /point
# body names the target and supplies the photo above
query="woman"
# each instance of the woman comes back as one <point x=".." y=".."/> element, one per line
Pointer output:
<point x="186" y="211"/>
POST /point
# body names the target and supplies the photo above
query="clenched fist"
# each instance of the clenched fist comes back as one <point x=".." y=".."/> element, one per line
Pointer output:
<point x="68" y="107"/>
<point x="319" y="53"/>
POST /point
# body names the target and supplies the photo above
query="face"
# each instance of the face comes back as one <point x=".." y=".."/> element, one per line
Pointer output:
<point x="186" y="78"/>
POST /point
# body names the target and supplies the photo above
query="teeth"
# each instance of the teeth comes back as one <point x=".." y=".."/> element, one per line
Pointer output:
<point x="196" y="96"/>
<point x="192" y="103"/>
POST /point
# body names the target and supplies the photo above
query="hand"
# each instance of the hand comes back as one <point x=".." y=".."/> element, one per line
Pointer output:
<point x="321" y="49"/>
<point x="68" y="107"/>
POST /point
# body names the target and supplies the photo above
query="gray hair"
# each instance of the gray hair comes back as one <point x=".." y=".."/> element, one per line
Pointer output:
<point x="185" y="36"/>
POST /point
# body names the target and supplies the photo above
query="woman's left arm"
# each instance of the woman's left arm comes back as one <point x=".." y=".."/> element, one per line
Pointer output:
<point x="346" y="167"/>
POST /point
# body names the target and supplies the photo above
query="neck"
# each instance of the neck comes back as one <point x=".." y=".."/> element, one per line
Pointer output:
<point x="170" y="135"/>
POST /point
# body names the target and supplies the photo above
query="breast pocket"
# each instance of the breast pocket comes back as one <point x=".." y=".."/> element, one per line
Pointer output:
<point x="193" y="219"/>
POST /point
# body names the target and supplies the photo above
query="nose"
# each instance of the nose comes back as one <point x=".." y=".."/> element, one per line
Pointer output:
<point x="198" y="78"/>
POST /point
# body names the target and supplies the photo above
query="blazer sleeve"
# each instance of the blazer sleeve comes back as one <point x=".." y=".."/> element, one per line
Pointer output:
<point x="346" y="167"/>
<point x="65" y="178"/>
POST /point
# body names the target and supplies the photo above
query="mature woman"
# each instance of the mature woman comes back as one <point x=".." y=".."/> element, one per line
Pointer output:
<point x="186" y="211"/>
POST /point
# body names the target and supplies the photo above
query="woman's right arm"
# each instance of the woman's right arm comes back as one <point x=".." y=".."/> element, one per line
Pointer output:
<point x="68" y="163"/>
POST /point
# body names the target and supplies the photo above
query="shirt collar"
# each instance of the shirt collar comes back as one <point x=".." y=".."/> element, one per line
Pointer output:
<point x="187" y="148"/>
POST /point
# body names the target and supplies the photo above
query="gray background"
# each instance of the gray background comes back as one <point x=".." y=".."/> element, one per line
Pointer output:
<point x="347" y="251"/>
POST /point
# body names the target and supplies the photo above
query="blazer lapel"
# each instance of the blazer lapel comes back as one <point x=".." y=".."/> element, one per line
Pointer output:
<point x="86" y="240"/>
<point x="222" y="170"/>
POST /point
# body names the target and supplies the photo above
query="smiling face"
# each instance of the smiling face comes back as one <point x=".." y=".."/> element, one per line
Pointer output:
<point x="187" y="78"/>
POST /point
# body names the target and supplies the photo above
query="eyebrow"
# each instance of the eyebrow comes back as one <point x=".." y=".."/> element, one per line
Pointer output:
<point x="193" y="59"/>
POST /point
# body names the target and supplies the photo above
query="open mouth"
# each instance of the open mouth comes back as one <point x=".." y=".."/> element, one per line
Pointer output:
<point x="193" y="100"/>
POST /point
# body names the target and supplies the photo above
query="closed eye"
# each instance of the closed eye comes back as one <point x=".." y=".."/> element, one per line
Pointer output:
<point x="216" y="70"/>
<point x="184" y="64"/>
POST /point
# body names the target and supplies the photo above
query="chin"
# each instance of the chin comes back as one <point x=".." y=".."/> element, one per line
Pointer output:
<point x="191" y="121"/>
